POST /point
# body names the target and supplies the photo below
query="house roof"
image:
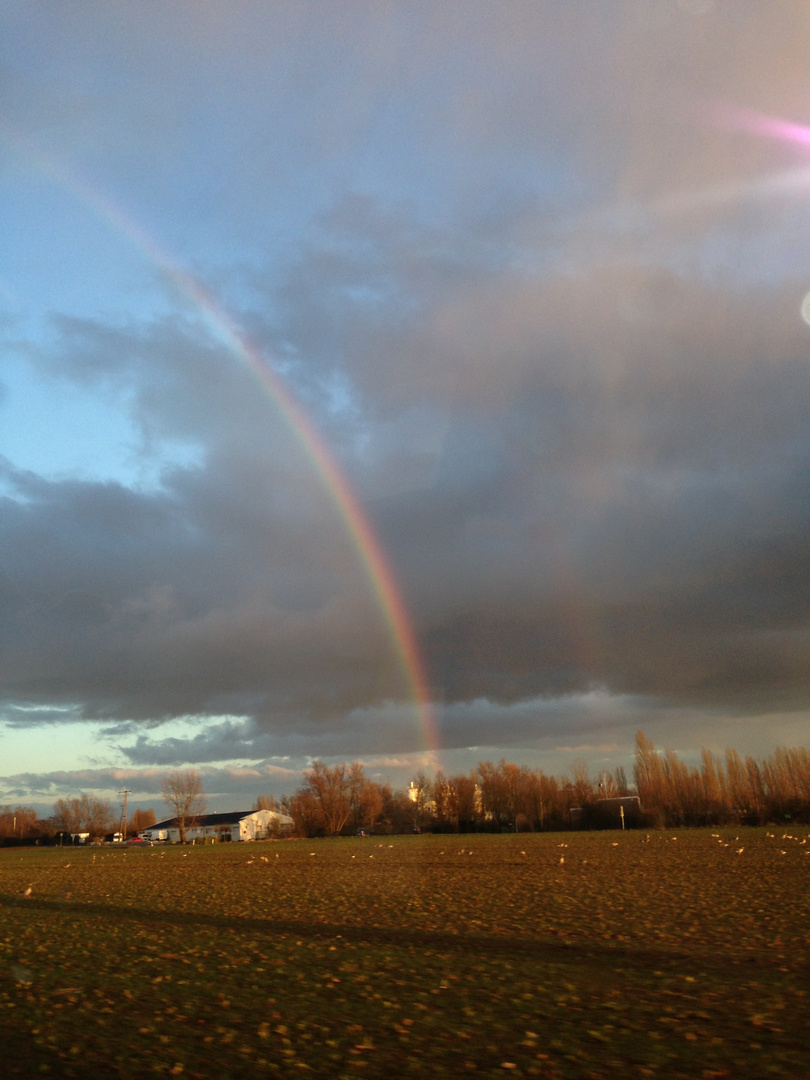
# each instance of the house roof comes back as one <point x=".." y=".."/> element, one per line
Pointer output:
<point x="233" y="817"/>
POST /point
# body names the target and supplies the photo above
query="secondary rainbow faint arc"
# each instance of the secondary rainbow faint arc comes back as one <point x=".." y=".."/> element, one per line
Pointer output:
<point x="357" y="524"/>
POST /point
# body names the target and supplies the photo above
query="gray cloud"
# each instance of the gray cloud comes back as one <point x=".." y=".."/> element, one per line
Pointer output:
<point x="226" y="741"/>
<point x="241" y="784"/>
<point x="626" y="507"/>
<point x="535" y="284"/>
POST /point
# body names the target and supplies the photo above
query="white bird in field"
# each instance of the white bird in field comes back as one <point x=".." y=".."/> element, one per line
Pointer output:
<point x="562" y="860"/>
<point x="740" y="850"/>
<point x="27" y="892"/>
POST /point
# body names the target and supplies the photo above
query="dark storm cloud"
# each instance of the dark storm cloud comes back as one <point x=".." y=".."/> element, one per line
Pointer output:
<point x="354" y="735"/>
<point x="228" y="740"/>
<point x="639" y="513"/>
<point x="234" y="583"/>
<point x="616" y="496"/>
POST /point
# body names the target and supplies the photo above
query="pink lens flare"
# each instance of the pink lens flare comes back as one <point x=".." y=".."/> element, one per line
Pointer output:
<point x="771" y="126"/>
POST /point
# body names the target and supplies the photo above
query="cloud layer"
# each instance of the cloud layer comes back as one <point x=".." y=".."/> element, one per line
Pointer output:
<point x="535" y="281"/>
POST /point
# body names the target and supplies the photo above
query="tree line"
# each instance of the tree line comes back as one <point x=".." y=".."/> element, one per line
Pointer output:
<point x="182" y="791"/>
<point x="341" y="799"/>
<point x="83" y="814"/>
<point x="725" y="790"/>
<point x="87" y="815"/>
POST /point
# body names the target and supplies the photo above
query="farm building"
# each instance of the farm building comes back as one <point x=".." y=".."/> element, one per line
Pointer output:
<point x="236" y="825"/>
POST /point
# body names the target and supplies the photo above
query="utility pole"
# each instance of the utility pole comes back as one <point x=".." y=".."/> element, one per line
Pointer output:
<point x="125" y="792"/>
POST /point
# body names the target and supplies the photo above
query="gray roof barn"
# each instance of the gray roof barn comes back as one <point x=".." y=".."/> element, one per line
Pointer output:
<point x="233" y="825"/>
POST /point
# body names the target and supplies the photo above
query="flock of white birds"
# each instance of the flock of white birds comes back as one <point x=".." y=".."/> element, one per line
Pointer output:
<point x="723" y="841"/>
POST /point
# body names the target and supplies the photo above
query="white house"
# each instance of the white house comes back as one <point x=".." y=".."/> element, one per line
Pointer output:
<point x="236" y="825"/>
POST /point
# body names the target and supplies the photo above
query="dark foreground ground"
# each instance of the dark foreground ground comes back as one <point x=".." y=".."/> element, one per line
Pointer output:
<point x="566" y="955"/>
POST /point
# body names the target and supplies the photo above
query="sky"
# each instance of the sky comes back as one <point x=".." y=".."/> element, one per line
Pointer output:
<point x="411" y="383"/>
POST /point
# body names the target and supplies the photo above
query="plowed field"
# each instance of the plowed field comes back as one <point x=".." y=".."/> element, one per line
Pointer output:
<point x="578" y="955"/>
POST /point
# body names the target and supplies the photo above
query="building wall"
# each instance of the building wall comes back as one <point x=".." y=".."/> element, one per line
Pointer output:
<point x="207" y="832"/>
<point x="259" y="825"/>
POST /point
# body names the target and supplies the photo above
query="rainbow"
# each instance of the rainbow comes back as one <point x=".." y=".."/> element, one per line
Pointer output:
<point x="357" y="525"/>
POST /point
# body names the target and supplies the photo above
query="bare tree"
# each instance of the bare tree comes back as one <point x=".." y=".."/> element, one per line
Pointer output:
<point x="465" y="800"/>
<point x="421" y="802"/>
<point x="582" y="785"/>
<point x="493" y="798"/>
<point x="330" y="789"/>
<point x="395" y="815"/>
<point x="713" y="793"/>
<point x="18" y="822"/>
<point x="141" y="819"/>
<point x="182" y="790"/>
<point x="266" y="802"/>
<point x="620" y="781"/>
<point x="65" y="816"/>
<point x="365" y="797"/>
<point x="304" y="810"/>
<point x="648" y="773"/>
<point x="84" y="814"/>
<point x="443" y="800"/>
<point x="550" y="807"/>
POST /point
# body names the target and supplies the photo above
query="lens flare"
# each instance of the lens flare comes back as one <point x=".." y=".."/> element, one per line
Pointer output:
<point x="773" y="127"/>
